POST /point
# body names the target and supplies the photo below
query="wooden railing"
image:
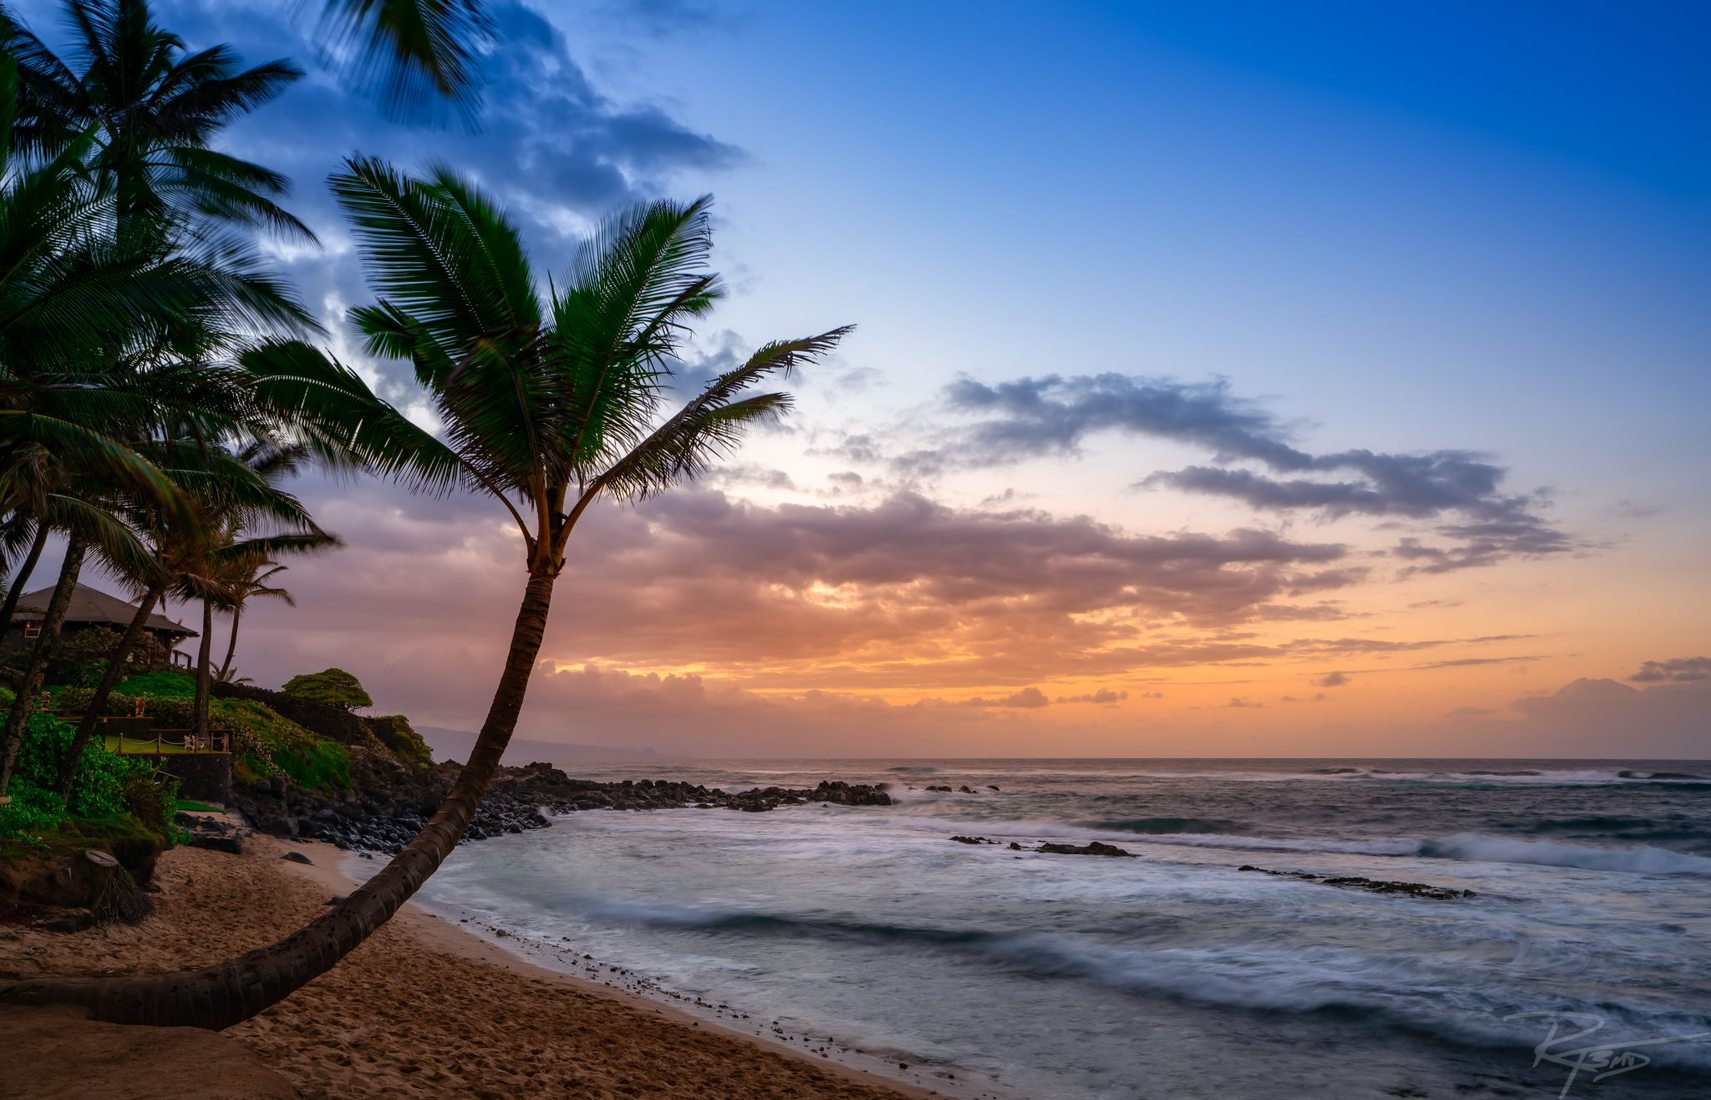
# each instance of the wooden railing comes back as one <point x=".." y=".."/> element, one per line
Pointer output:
<point x="217" y="741"/>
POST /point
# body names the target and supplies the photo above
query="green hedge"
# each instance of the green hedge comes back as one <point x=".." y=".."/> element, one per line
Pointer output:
<point x="162" y="684"/>
<point x="108" y="787"/>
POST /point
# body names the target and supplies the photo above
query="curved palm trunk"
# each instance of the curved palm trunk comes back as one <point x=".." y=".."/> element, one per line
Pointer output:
<point x="226" y="993"/>
<point x="231" y="644"/>
<point x="115" y="670"/>
<point x="22" y="577"/>
<point x="52" y="620"/>
<point x="204" y="654"/>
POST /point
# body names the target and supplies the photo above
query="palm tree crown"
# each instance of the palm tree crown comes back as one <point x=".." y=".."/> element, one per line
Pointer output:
<point x="152" y="108"/>
<point x="547" y="401"/>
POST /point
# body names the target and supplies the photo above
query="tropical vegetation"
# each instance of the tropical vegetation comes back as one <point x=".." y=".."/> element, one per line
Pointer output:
<point x="149" y="410"/>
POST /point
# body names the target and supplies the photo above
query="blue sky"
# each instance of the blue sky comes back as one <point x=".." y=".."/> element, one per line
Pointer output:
<point x="1451" y="259"/>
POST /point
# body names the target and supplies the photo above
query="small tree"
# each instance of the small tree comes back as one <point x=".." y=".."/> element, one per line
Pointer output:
<point x="335" y="686"/>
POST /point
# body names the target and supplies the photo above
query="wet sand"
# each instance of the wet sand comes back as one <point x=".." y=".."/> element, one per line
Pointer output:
<point x="423" y="1009"/>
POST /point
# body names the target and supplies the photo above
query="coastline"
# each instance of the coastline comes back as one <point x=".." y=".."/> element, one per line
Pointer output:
<point x="426" y="1008"/>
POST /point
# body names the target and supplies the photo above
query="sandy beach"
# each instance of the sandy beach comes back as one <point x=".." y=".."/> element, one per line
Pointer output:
<point x="423" y="1009"/>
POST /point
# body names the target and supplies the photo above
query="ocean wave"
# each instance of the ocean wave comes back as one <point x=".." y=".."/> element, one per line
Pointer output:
<point x="1641" y="859"/>
<point x="1474" y="848"/>
<point x="1403" y="991"/>
<point x="1535" y="777"/>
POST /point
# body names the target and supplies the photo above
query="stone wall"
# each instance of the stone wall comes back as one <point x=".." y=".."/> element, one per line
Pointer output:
<point x="202" y="777"/>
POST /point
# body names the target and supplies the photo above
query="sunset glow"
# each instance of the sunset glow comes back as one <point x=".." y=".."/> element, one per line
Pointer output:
<point x="1204" y="400"/>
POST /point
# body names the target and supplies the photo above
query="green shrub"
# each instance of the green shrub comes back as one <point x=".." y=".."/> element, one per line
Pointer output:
<point x="333" y="685"/>
<point x="151" y="799"/>
<point x="110" y="789"/>
<point x="81" y="657"/>
<point x="98" y="790"/>
<point x="265" y="743"/>
<point x="159" y="684"/>
<point x="402" y="740"/>
<point x="32" y="816"/>
<point x="324" y="765"/>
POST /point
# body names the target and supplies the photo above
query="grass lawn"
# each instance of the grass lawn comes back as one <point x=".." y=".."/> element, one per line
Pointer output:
<point x="137" y="746"/>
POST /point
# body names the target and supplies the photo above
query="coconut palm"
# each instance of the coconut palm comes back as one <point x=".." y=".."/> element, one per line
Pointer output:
<point x="151" y="108"/>
<point x="201" y="555"/>
<point x="549" y="402"/>
<point x="251" y="583"/>
<point x="113" y="290"/>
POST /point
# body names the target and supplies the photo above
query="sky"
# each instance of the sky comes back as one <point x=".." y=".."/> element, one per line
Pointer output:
<point x="1310" y="379"/>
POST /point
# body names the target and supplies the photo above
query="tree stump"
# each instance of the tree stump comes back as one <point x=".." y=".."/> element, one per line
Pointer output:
<point x="111" y="891"/>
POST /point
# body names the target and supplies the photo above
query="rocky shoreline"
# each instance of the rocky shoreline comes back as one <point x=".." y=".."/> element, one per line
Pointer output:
<point x="387" y="805"/>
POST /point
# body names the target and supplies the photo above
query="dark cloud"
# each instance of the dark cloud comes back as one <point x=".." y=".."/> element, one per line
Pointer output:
<point x="1665" y="721"/>
<point x="556" y="149"/>
<point x="1332" y="680"/>
<point x="1676" y="670"/>
<point x="1473" y="518"/>
<point x="1052" y="415"/>
<point x="1243" y="704"/>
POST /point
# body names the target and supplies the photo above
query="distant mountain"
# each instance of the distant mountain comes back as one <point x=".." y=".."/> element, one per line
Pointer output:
<point x="456" y="744"/>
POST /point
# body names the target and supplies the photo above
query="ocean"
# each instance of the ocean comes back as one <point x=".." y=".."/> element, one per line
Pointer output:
<point x="1581" y="965"/>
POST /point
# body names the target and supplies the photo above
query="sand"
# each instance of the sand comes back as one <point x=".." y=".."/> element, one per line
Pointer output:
<point x="423" y="1009"/>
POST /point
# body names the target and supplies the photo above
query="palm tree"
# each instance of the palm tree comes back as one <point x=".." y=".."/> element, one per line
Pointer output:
<point x="114" y="290"/>
<point x="250" y="584"/>
<point x="197" y="557"/>
<point x="549" y="403"/>
<point x="151" y="109"/>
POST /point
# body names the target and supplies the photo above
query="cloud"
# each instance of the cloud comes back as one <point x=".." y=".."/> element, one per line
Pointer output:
<point x="1028" y="698"/>
<point x="1665" y="721"/>
<point x="1240" y="703"/>
<point x="1054" y="414"/>
<point x="1332" y="680"/>
<point x="1459" y="494"/>
<point x="1102" y="697"/>
<point x="1676" y="670"/>
<point x="1473" y="662"/>
<point x="558" y="150"/>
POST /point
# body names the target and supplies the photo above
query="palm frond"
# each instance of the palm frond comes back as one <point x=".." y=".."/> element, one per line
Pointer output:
<point x="414" y="49"/>
<point x="342" y="422"/>
<point x="432" y="258"/>
<point x="713" y="422"/>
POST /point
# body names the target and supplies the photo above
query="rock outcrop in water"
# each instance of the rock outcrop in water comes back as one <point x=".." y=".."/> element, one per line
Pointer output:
<point x="387" y="806"/>
<point x="1371" y="885"/>
<point x="1096" y="848"/>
